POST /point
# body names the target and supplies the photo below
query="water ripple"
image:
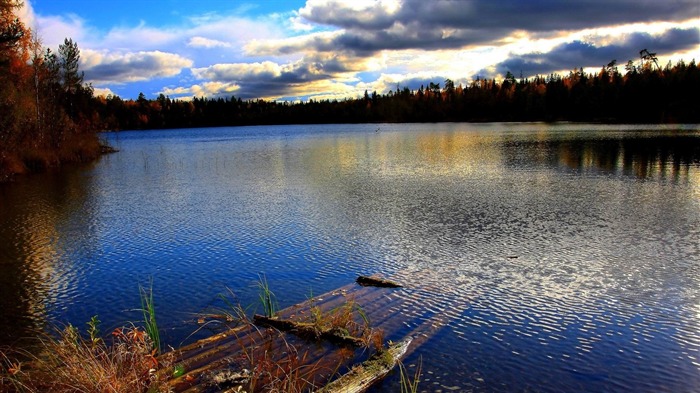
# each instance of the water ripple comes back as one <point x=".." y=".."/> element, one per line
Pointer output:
<point x="550" y="266"/>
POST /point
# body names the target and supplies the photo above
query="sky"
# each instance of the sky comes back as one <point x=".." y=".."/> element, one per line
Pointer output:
<point x="333" y="49"/>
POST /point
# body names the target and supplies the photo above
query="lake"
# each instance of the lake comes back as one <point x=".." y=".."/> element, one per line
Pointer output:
<point x="564" y="257"/>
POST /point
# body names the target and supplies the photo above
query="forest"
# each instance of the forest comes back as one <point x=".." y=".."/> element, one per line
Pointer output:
<point x="644" y="93"/>
<point x="49" y="116"/>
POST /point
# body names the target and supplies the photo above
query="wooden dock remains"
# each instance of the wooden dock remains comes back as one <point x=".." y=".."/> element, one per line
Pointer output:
<point x="341" y="341"/>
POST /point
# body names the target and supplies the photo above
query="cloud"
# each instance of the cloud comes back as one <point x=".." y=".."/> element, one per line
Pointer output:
<point x="202" y="42"/>
<point x="116" y="67"/>
<point x="535" y="15"/>
<point x="239" y="71"/>
<point x="25" y="13"/>
<point x="271" y="79"/>
<point x="103" y="92"/>
<point x="368" y="26"/>
<point x="207" y="89"/>
<point x="53" y="30"/>
<point x="370" y="15"/>
<point x="589" y="54"/>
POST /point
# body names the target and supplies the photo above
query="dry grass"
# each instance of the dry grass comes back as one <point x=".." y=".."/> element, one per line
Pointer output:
<point x="72" y="363"/>
<point x="282" y="369"/>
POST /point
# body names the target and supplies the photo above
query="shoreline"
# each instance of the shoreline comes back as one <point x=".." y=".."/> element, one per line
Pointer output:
<point x="19" y="164"/>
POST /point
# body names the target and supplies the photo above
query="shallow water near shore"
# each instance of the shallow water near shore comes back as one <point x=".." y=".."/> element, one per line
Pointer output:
<point x="561" y="257"/>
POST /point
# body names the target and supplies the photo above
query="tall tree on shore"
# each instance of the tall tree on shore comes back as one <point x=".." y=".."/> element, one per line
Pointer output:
<point x="69" y="55"/>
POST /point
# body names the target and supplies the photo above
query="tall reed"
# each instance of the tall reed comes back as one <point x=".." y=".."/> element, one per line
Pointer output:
<point x="148" y="309"/>
<point x="410" y="384"/>
<point x="267" y="297"/>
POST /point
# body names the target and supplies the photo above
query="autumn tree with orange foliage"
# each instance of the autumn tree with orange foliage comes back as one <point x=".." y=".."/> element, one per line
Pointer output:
<point x="46" y="115"/>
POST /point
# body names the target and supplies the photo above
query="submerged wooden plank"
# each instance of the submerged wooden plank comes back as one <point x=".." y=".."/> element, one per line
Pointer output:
<point x="221" y="353"/>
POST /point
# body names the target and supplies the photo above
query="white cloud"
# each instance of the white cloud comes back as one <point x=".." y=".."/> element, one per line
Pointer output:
<point x="141" y="37"/>
<point x="53" y="30"/>
<point x="202" y="42"/>
<point x="26" y="14"/>
<point x="298" y="23"/>
<point x="304" y="43"/>
<point x="207" y="89"/>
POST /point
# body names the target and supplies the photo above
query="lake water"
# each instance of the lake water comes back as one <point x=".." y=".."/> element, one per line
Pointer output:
<point x="604" y="294"/>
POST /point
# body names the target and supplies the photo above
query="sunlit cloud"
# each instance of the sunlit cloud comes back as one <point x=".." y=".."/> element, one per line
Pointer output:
<point x="352" y="14"/>
<point x="103" y="92"/>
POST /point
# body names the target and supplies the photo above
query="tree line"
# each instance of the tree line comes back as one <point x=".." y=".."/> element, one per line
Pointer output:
<point x="643" y="93"/>
<point x="48" y="116"/>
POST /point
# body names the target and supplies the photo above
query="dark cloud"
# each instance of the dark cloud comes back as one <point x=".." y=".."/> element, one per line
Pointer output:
<point x="410" y="37"/>
<point x="269" y="79"/>
<point x="421" y="24"/>
<point x="583" y="54"/>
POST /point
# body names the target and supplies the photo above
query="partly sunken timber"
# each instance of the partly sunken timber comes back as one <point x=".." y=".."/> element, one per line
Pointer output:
<point x="332" y="358"/>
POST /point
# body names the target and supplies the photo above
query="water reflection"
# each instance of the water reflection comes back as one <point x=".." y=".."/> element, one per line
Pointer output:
<point x="35" y="215"/>
<point x="655" y="156"/>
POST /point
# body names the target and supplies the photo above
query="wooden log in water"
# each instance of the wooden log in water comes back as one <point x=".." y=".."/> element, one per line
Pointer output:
<point x="362" y="376"/>
<point x="376" y="282"/>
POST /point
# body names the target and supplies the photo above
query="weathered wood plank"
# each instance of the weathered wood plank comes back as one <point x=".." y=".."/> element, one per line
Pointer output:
<point x="362" y="376"/>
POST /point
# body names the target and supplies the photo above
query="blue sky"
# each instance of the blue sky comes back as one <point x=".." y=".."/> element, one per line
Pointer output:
<point x="333" y="49"/>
